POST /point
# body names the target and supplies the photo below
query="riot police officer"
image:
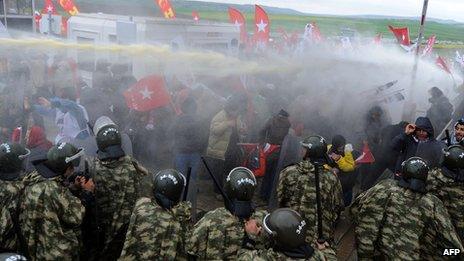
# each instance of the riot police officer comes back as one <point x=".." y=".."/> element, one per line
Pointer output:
<point x="158" y="228"/>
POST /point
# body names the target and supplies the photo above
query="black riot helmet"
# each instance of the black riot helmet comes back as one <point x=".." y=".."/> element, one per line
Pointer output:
<point x="286" y="228"/>
<point x="12" y="156"/>
<point x="168" y="186"/>
<point x="453" y="157"/>
<point x="239" y="188"/>
<point x="108" y="139"/>
<point x="62" y="156"/>
<point x="414" y="174"/>
<point x="316" y="148"/>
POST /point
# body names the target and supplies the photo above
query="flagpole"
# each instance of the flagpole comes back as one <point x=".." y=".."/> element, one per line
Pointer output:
<point x="409" y="115"/>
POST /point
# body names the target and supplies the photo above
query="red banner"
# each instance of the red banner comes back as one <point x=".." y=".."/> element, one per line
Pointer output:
<point x="147" y="94"/>
<point x="166" y="8"/>
<point x="237" y="18"/>
<point x="262" y="25"/>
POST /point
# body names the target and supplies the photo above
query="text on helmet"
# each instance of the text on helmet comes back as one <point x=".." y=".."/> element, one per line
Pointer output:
<point x="246" y="181"/>
<point x="300" y="227"/>
<point x="169" y="176"/>
<point x="7" y="147"/>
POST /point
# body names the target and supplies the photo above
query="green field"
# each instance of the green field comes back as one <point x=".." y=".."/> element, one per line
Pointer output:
<point x="287" y="19"/>
<point x="331" y="25"/>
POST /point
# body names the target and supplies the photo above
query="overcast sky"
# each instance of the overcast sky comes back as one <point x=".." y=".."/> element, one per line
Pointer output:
<point x="444" y="9"/>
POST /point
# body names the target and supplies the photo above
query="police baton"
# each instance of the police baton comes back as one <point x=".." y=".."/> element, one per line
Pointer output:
<point x="187" y="183"/>
<point x="216" y="183"/>
<point x="320" y="236"/>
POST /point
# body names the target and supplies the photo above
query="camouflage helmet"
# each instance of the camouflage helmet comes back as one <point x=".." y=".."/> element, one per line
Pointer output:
<point x="453" y="157"/>
<point x="62" y="156"/>
<point x="240" y="184"/>
<point x="415" y="168"/>
<point x="286" y="227"/>
<point x="168" y="186"/>
<point x="108" y="139"/>
<point x="12" y="156"/>
<point x="316" y="146"/>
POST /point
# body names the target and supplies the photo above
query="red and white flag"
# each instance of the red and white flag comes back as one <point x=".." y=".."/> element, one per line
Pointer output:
<point x="166" y="8"/>
<point x="147" y="94"/>
<point x="401" y="34"/>
<point x="49" y="7"/>
<point x="237" y="18"/>
<point x="262" y="26"/>
<point x="378" y="39"/>
<point x="312" y="33"/>
<point x="429" y="48"/>
<point x="195" y="16"/>
<point x="442" y="64"/>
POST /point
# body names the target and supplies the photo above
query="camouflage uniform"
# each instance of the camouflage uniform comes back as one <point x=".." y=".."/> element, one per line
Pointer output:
<point x="9" y="193"/>
<point x="219" y="235"/>
<point x="117" y="189"/>
<point x="297" y="190"/>
<point x="270" y="254"/>
<point x="7" y="233"/>
<point x="396" y="223"/>
<point x="50" y="219"/>
<point x="451" y="194"/>
<point x="155" y="233"/>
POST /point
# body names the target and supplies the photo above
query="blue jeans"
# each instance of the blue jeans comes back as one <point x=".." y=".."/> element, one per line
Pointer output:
<point x="183" y="162"/>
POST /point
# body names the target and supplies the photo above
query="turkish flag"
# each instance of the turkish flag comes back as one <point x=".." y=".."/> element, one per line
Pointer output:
<point x="49" y="7"/>
<point x="237" y="18"/>
<point x="378" y="39"/>
<point x="195" y="16"/>
<point x="401" y="34"/>
<point x="442" y="64"/>
<point x="166" y="9"/>
<point x="262" y="25"/>
<point x="147" y="94"/>
<point x="429" y="48"/>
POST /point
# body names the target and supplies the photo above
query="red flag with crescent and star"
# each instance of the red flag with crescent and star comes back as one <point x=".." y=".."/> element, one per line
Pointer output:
<point x="237" y="18"/>
<point x="262" y="25"/>
<point x="147" y="94"/>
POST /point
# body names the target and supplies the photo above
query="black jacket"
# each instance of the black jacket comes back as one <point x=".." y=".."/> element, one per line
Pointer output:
<point x="408" y="146"/>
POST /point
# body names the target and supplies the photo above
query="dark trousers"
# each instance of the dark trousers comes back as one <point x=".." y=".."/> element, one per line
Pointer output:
<point x="271" y="167"/>
<point x="217" y="168"/>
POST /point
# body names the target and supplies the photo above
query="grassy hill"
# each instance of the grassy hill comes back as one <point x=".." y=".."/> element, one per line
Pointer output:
<point x="291" y="20"/>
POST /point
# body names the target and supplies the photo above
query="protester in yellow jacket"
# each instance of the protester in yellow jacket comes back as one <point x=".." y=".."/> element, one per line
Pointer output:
<point x="342" y="155"/>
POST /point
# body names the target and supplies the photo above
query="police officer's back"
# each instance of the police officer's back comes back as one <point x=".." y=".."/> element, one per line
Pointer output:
<point x="159" y="226"/>
<point x="297" y="189"/>
<point x="117" y="180"/>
